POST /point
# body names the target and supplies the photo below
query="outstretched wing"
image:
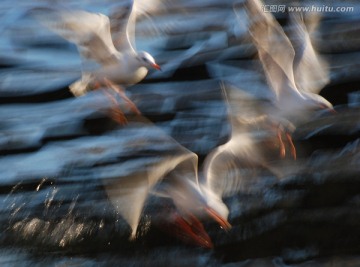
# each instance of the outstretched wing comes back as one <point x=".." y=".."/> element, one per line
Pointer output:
<point x="310" y="70"/>
<point x="274" y="48"/>
<point x="89" y="31"/>
<point x="124" y="20"/>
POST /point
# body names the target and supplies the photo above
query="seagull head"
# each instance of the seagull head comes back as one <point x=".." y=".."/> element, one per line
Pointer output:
<point x="190" y="205"/>
<point x="192" y="200"/>
<point x="147" y="60"/>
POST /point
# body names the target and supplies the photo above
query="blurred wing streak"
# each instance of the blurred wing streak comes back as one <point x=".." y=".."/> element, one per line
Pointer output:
<point x="123" y="27"/>
<point x="225" y="168"/>
<point x="123" y="21"/>
<point x="274" y="48"/>
<point x="128" y="194"/>
<point x="216" y="41"/>
<point x="170" y="67"/>
<point x="310" y="70"/>
<point x="89" y="31"/>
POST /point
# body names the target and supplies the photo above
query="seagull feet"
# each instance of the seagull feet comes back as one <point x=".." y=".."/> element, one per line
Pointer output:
<point x="115" y="112"/>
<point x="291" y="144"/>
<point x="122" y="94"/>
<point x="282" y="144"/>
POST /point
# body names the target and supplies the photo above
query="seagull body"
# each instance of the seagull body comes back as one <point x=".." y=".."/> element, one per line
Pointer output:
<point x="125" y="71"/>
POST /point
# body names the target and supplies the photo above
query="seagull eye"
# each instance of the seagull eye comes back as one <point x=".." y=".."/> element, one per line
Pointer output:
<point x="144" y="58"/>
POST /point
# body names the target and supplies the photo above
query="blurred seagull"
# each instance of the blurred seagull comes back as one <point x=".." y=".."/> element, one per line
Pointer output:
<point x="236" y="165"/>
<point x="164" y="169"/>
<point x="294" y="71"/>
<point x="90" y="32"/>
<point x="178" y="173"/>
<point x="193" y="201"/>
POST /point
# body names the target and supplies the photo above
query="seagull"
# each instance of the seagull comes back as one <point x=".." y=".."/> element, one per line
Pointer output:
<point x="251" y="149"/>
<point x="90" y="32"/>
<point x="193" y="201"/>
<point x="167" y="170"/>
<point x="294" y="71"/>
<point x="179" y="174"/>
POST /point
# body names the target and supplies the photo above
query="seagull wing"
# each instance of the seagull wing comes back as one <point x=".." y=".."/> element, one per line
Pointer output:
<point x="124" y="20"/>
<point x="310" y="70"/>
<point x="274" y="48"/>
<point x="229" y="167"/>
<point x="89" y="31"/>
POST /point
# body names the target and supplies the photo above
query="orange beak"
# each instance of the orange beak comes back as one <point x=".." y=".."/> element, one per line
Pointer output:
<point x="156" y="66"/>
<point x="218" y="218"/>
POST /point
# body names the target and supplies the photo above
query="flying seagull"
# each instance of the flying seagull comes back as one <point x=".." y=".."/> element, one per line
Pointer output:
<point x="90" y="32"/>
<point x="251" y="150"/>
<point x="294" y="71"/>
<point x="162" y="168"/>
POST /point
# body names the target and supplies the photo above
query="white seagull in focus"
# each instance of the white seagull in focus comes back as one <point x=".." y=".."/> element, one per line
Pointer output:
<point x="294" y="71"/>
<point x="90" y="32"/>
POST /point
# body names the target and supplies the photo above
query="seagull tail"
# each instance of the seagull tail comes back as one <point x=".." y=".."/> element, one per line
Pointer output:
<point x="80" y="87"/>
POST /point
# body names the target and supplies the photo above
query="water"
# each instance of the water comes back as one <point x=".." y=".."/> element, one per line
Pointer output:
<point x="60" y="154"/>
